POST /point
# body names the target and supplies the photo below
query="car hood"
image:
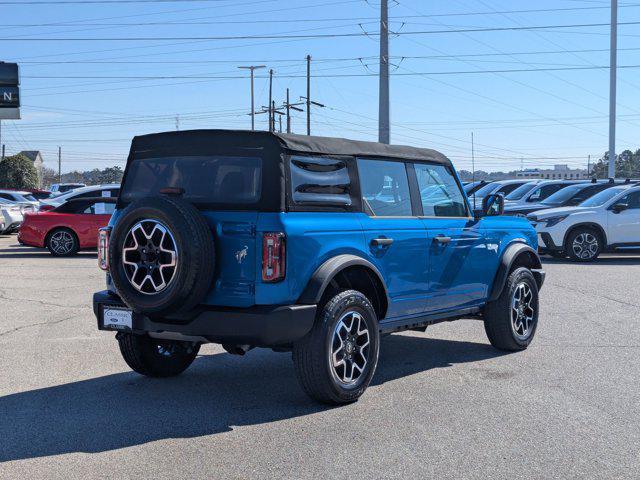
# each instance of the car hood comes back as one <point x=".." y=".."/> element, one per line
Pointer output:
<point x="555" y="212"/>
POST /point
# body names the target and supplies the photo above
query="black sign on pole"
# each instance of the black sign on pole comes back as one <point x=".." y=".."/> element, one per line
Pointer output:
<point x="9" y="91"/>
<point x="9" y="74"/>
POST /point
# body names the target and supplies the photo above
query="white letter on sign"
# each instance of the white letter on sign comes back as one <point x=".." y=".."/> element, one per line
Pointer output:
<point x="8" y="96"/>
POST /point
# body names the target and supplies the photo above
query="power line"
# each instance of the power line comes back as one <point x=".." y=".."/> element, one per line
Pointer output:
<point x="336" y="75"/>
<point x="308" y="36"/>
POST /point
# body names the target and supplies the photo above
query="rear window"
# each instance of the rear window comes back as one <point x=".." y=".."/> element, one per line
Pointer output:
<point x="228" y="180"/>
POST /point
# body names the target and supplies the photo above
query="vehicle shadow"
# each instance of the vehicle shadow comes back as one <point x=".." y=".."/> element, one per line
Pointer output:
<point x="217" y="393"/>
<point x="17" y="251"/>
<point x="606" y="260"/>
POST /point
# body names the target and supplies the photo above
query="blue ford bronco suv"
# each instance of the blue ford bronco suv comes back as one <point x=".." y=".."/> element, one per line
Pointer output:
<point x="310" y="245"/>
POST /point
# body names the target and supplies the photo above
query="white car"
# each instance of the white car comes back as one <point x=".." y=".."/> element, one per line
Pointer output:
<point x="19" y="197"/>
<point x="10" y="216"/>
<point x="536" y="191"/>
<point x="610" y="220"/>
<point x="109" y="190"/>
<point x="503" y="187"/>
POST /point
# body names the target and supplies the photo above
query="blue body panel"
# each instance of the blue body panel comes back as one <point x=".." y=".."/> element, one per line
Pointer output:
<point x="421" y="274"/>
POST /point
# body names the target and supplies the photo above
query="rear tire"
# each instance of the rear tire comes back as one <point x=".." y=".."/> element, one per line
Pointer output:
<point x="337" y="359"/>
<point x="584" y="244"/>
<point x="156" y="358"/>
<point x="62" y="242"/>
<point x="511" y="320"/>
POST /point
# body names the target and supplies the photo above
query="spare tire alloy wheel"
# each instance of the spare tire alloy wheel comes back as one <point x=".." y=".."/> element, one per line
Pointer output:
<point x="162" y="256"/>
<point x="150" y="256"/>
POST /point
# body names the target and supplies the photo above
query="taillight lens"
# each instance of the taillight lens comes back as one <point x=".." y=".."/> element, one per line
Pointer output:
<point x="103" y="248"/>
<point x="273" y="256"/>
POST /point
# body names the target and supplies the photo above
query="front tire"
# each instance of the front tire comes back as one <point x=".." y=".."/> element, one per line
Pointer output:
<point x="156" y="358"/>
<point x="337" y="359"/>
<point x="512" y="319"/>
<point x="584" y="245"/>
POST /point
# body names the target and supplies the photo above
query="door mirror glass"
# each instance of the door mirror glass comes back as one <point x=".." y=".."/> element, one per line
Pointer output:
<point x="492" y="205"/>
<point x="619" y="207"/>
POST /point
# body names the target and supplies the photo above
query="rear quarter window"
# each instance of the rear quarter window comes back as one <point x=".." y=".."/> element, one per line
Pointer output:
<point x="320" y="181"/>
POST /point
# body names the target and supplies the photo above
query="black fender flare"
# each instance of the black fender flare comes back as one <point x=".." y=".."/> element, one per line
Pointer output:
<point x="323" y="275"/>
<point x="509" y="256"/>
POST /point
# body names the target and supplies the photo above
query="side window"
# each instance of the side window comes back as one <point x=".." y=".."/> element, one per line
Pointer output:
<point x="549" y="190"/>
<point x="385" y="188"/>
<point x="5" y="195"/>
<point x="319" y="180"/>
<point x="585" y="193"/>
<point x="439" y="192"/>
<point x="632" y="199"/>
<point x="507" y="189"/>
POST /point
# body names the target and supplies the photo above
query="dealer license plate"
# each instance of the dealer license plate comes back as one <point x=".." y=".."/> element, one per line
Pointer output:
<point x="117" y="318"/>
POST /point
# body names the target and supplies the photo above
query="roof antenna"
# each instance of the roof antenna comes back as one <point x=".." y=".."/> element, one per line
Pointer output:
<point x="473" y="171"/>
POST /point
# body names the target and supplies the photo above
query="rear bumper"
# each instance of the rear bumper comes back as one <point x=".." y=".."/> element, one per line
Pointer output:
<point x="263" y="326"/>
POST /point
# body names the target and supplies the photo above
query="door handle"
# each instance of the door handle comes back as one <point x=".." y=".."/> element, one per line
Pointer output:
<point x="381" y="242"/>
<point x="442" y="239"/>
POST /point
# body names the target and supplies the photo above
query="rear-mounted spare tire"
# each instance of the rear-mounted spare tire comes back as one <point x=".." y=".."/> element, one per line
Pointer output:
<point x="161" y="256"/>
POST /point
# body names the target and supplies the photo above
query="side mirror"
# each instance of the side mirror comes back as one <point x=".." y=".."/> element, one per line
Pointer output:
<point x="619" y="207"/>
<point x="492" y="205"/>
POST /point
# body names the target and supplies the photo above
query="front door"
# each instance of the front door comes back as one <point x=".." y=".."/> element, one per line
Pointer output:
<point x="624" y="227"/>
<point x="458" y="251"/>
<point x="395" y="235"/>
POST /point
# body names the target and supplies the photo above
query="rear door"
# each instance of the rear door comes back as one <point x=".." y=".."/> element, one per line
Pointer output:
<point x="459" y="259"/>
<point x="394" y="234"/>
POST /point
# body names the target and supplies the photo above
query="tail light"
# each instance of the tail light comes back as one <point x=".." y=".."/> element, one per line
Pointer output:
<point x="46" y="208"/>
<point x="103" y="248"/>
<point x="273" y="256"/>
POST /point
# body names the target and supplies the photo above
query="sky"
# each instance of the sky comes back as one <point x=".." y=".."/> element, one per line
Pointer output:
<point x="96" y="73"/>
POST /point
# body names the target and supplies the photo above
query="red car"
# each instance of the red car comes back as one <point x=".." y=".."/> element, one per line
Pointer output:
<point x="71" y="227"/>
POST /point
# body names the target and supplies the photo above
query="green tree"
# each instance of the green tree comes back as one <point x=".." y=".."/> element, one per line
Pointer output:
<point x="18" y="172"/>
<point x="627" y="165"/>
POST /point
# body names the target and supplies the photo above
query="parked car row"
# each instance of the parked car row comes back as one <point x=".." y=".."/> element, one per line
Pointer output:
<point x="63" y="223"/>
<point x="578" y="219"/>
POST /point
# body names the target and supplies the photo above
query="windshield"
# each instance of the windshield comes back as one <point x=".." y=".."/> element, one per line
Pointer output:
<point x="486" y="190"/>
<point x="603" y="197"/>
<point x="29" y="197"/>
<point x="520" y="192"/>
<point x="563" y="195"/>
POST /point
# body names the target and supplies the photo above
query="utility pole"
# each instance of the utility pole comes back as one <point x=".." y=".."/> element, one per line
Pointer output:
<point x="59" y="164"/>
<point x="177" y="122"/>
<point x="291" y="106"/>
<point x="588" y="165"/>
<point x="251" y="69"/>
<point x="383" y="100"/>
<point x="473" y="170"/>
<point x="308" y="94"/>
<point x="271" y="116"/>
<point x="288" y="106"/>
<point x="612" y="88"/>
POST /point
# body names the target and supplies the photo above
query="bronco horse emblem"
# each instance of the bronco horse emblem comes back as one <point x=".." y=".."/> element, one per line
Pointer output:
<point x="241" y="254"/>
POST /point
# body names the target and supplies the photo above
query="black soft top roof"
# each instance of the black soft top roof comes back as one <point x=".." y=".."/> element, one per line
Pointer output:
<point x="204" y="141"/>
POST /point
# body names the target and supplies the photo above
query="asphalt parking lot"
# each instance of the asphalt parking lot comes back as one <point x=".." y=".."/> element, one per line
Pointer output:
<point x="443" y="403"/>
